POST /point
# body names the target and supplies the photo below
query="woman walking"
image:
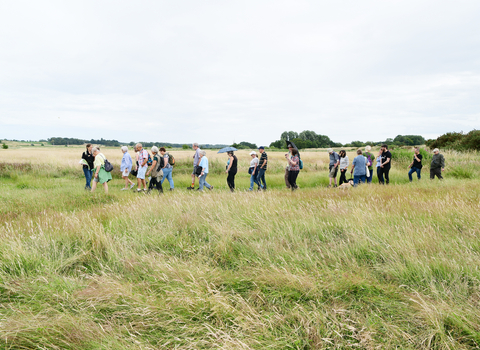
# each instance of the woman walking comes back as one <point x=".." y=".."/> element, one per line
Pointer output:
<point x="101" y="175"/>
<point x="343" y="166"/>
<point x="231" y="170"/>
<point x="202" y="178"/>
<point x="126" y="168"/>
<point x="155" y="171"/>
<point x="253" y="171"/>
<point x="167" y="168"/>
<point x="294" y="168"/>
<point x="87" y="168"/>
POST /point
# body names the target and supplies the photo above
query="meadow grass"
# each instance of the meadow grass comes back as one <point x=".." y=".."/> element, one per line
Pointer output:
<point x="373" y="267"/>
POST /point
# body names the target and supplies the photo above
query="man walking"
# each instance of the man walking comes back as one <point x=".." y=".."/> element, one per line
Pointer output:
<point x="416" y="165"/>
<point x="385" y="165"/>
<point x="196" y="163"/>
<point x="333" y="167"/>
<point x="141" y="167"/>
<point x="262" y="168"/>
<point x="437" y="165"/>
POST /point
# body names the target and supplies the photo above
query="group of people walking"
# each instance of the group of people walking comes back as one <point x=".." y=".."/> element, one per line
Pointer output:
<point x="159" y="166"/>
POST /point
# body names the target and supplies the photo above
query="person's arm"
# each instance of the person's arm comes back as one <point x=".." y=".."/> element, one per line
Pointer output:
<point x="230" y="164"/>
<point x="154" y="163"/>
<point x="97" y="170"/>
<point x="387" y="161"/>
<point x="353" y="167"/>
<point x="145" y="160"/>
<point x="442" y="162"/>
<point x="411" y="164"/>
<point x="254" y="168"/>
<point x="337" y="162"/>
<point x="198" y="158"/>
<point x="264" y="162"/>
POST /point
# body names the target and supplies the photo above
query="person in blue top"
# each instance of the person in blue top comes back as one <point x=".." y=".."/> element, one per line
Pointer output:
<point x="359" y="168"/>
<point x="202" y="179"/>
<point x="126" y="168"/>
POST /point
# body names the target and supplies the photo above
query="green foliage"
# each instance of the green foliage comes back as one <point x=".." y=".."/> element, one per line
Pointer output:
<point x="244" y="145"/>
<point x="409" y="140"/>
<point x="457" y="141"/>
<point x="306" y="139"/>
<point x="185" y="147"/>
<point x="4" y="146"/>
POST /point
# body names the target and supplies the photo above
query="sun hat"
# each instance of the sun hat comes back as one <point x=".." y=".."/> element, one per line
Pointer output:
<point x="330" y="150"/>
<point x="252" y="153"/>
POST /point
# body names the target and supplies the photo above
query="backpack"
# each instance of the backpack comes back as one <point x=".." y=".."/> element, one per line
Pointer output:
<point x="171" y="159"/>
<point x="108" y="166"/>
<point x="161" y="163"/>
<point x="149" y="161"/>
<point x="300" y="162"/>
<point x="369" y="158"/>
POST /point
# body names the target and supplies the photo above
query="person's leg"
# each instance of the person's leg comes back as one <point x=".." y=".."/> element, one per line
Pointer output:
<point x="170" y="179"/>
<point x="262" y="181"/>
<point x="380" y="175"/>
<point x="356" y="179"/>
<point x="193" y="177"/>
<point x="158" y="186"/>
<point x="342" y="177"/>
<point x="419" y="176"/>
<point x="432" y="174"/>
<point x="230" y="181"/>
<point x="370" y="178"/>
<point x="205" y="183"/>
<point x="88" y="177"/>
<point x="363" y="179"/>
<point x="387" y="177"/>
<point x="438" y="172"/>
<point x="251" y="182"/>
<point x="335" y="176"/>
<point x="412" y="170"/>
<point x="330" y="175"/>
<point x="293" y="182"/>
<point x="94" y="185"/>
<point x="105" y="187"/>
<point x="287" y="183"/>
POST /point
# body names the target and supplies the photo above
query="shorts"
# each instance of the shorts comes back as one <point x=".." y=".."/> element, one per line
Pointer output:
<point x="141" y="172"/>
<point x="194" y="170"/>
<point x="332" y="171"/>
<point x="125" y="173"/>
<point x="96" y="179"/>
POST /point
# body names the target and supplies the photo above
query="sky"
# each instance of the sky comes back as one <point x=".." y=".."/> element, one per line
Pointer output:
<point x="232" y="71"/>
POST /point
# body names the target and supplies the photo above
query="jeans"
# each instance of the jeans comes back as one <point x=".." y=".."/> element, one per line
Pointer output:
<point x="254" y="179"/>
<point x="292" y="179"/>
<point x="167" y="174"/>
<point x="231" y="179"/>
<point x="436" y="172"/>
<point x="414" y="170"/>
<point x="359" y="179"/>
<point x="88" y="177"/>
<point x="261" y="178"/>
<point x="202" y="181"/>
<point x="370" y="178"/>
<point x="381" y="172"/>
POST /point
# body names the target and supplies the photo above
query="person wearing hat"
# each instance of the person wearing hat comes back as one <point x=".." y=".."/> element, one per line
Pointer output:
<point x="263" y="162"/>
<point x="437" y="165"/>
<point x="333" y="167"/>
<point x="253" y="170"/>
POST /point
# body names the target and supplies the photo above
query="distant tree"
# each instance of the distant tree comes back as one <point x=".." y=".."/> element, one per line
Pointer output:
<point x="4" y="146"/>
<point x="185" y="147"/>
<point x="32" y="145"/>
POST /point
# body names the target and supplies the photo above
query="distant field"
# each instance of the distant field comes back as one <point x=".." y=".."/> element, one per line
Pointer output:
<point x="373" y="267"/>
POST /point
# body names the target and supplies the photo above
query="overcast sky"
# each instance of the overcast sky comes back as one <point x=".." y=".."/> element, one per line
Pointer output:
<point x="225" y="71"/>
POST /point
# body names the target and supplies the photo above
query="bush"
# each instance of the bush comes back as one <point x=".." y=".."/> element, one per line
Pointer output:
<point x="185" y="147"/>
<point x="4" y="146"/>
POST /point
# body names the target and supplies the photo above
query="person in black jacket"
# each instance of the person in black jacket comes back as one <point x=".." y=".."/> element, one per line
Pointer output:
<point x="87" y="169"/>
<point x="231" y="170"/>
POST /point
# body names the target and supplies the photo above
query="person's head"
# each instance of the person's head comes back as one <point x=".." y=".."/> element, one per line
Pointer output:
<point x="124" y="149"/>
<point x="294" y="152"/>
<point x="261" y="149"/>
<point x="359" y="151"/>
<point x="253" y="154"/>
<point x="89" y="147"/>
<point x="138" y="147"/>
<point x="163" y="150"/>
<point x="330" y="150"/>
<point x="290" y="147"/>
<point x="195" y="146"/>
<point x="342" y="153"/>
<point x="416" y="150"/>
<point x="385" y="147"/>
<point x="95" y="150"/>
<point x="368" y="148"/>
<point x="154" y="149"/>
<point x="202" y="154"/>
<point x="436" y="151"/>
<point x="230" y="153"/>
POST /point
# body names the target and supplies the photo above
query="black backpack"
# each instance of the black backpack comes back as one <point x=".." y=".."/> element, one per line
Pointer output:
<point x="108" y="166"/>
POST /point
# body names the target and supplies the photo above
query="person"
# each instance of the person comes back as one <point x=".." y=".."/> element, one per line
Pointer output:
<point x="294" y="168"/>
<point x="141" y="167"/>
<point x="87" y="168"/>
<point x="100" y="174"/>
<point x="379" y="163"/>
<point x="416" y="165"/>
<point x="437" y="165"/>
<point x="167" y="168"/>
<point x="343" y="166"/>
<point x="263" y="162"/>
<point x="333" y="167"/>
<point x="385" y="166"/>
<point x="290" y="147"/>
<point x="231" y="170"/>
<point x="370" y="158"/>
<point x="253" y="170"/>
<point x="196" y="162"/>
<point x="359" y="168"/>
<point x="126" y="167"/>
<point x="155" y="171"/>
<point x="202" y="179"/>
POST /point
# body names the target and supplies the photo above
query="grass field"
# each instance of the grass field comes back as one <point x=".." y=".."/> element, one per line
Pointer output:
<point x="373" y="267"/>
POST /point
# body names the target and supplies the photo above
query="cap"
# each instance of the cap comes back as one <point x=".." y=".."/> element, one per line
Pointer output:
<point x="261" y="147"/>
<point x="330" y="150"/>
<point x="252" y="153"/>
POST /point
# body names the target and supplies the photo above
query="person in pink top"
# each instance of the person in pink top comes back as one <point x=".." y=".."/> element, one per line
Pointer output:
<point x="141" y="167"/>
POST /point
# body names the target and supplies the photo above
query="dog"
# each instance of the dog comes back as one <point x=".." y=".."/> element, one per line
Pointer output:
<point x="346" y="185"/>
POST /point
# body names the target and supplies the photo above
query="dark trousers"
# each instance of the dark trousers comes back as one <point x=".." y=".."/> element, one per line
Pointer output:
<point x="381" y="173"/>
<point x="231" y="179"/>
<point x="261" y="178"/>
<point x="414" y="170"/>
<point x="287" y="183"/>
<point x="292" y="179"/>
<point x="156" y="184"/>
<point x="88" y="177"/>
<point x="436" y="172"/>
<point x="343" y="178"/>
